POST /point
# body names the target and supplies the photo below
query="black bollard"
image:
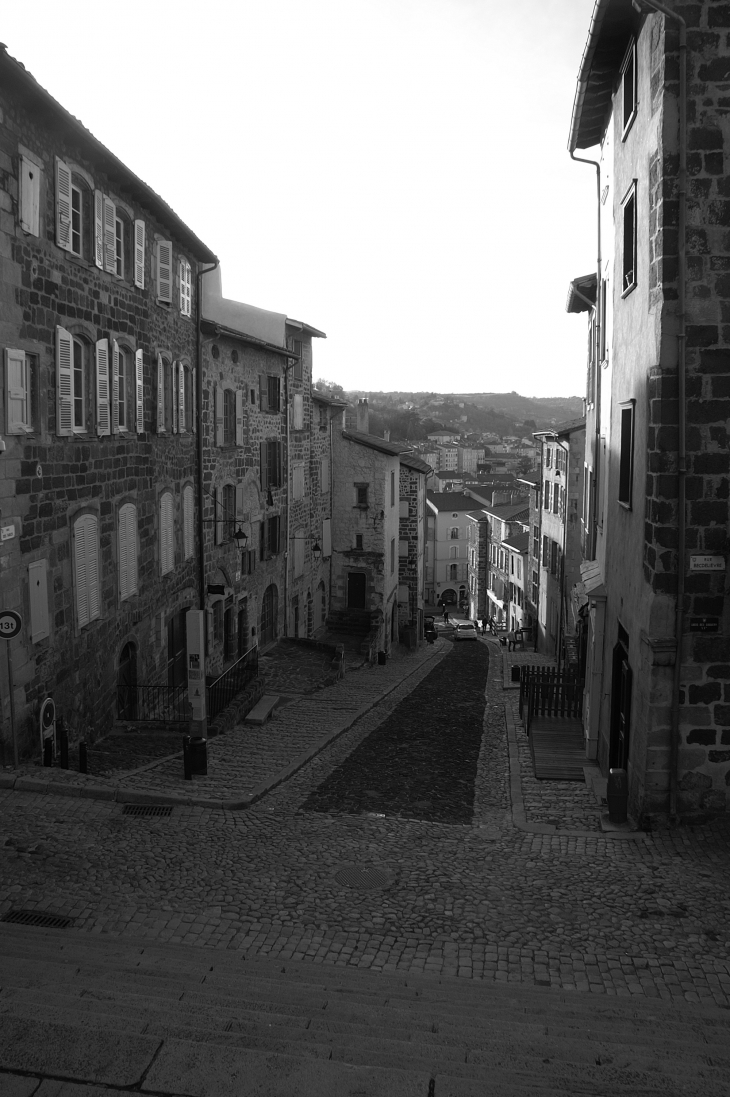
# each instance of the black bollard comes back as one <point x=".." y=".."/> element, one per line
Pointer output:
<point x="186" y="758"/>
<point x="83" y="759"/>
<point x="48" y="751"/>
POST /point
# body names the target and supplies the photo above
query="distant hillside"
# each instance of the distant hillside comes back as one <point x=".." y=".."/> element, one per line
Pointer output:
<point x="545" y="410"/>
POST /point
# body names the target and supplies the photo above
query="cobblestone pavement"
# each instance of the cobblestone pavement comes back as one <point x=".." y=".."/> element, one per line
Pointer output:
<point x="491" y="900"/>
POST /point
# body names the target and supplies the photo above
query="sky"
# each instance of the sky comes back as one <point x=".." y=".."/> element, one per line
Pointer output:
<point x="392" y="172"/>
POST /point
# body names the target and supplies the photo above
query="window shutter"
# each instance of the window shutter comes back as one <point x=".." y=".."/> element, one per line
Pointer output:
<point x="30" y="194"/>
<point x="280" y="536"/>
<point x="327" y="538"/>
<point x="217" y="517"/>
<point x="164" y="270"/>
<point x="102" y="387"/>
<point x="160" y="395"/>
<point x="239" y="504"/>
<point x="173" y="397"/>
<point x="127" y="550"/>
<point x="239" y="418"/>
<point x="123" y="565"/>
<point x="186" y="288"/>
<point x="263" y="392"/>
<point x="99" y="229"/>
<point x="279" y="463"/>
<point x="115" y="387"/>
<point x="264" y="453"/>
<point x="181" y="397"/>
<point x="218" y="415"/>
<point x="110" y="236"/>
<point x="167" y="558"/>
<point x="325" y="475"/>
<point x="139" y="242"/>
<point x="63" y="204"/>
<point x="82" y="594"/>
<point x="38" y="587"/>
<point x="64" y="389"/>
<point x="298" y="412"/>
<point x="139" y="377"/>
<point x="188" y="520"/>
<point x="86" y="540"/>
<point x="17" y="395"/>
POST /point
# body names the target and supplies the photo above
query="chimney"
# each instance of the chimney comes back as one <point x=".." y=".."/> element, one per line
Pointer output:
<point x="363" y="416"/>
<point x="386" y="435"/>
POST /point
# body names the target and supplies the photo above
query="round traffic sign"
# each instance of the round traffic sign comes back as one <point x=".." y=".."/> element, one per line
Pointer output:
<point x="10" y="624"/>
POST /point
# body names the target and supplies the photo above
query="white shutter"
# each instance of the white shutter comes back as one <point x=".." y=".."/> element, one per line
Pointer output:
<point x="166" y="545"/>
<point x="326" y="538"/>
<point x="64" y="382"/>
<point x="92" y="566"/>
<point x="127" y="550"/>
<point x="110" y="236"/>
<point x="325" y="475"/>
<point x="164" y="270"/>
<point x="298" y="412"/>
<point x="239" y="417"/>
<point x="115" y="387"/>
<point x="298" y="481"/>
<point x="99" y="229"/>
<point x="218" y="415"/>
<point x="188" y="517"/>
<point x="181" y="397"/>
<point x="38" y="587"/>
<point x="160" y="395"/>
<point x="102" y="387"/>
<point x="139" y="240"/>
<point x="139" y="389"/>
<point x="86" y="541"/>
<point x="17" y="392"/>
<point x="63" y="204"/>
<point x="30" y="196"/>
<point x="173" y="397"/>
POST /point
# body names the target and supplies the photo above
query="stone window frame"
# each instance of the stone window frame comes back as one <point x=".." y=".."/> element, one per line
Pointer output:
<point x="629" y="251"/>
<point x="627" y="411"/>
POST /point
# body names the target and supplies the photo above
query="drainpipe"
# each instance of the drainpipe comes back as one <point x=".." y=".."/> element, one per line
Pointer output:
<point x="199" y="430"/>
<point x="681" y="391"/>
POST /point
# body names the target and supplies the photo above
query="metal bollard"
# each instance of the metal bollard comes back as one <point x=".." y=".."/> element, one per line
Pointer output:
<point x="198" y="755"/>
<point x="186" y="758"/>
<point x="83" y="759"/>
<point x="48" y="752"/>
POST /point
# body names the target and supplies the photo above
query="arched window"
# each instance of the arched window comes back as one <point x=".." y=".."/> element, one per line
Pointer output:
<point x="86" y="568"/>
<point x="127" y="551"/>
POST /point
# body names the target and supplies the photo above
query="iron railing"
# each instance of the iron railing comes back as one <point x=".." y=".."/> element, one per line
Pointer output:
<point x="224" y="688"/>
<point x="141" y="703"/>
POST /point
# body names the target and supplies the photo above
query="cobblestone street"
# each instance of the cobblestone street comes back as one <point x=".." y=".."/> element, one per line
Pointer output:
<point x="541" y="897"/>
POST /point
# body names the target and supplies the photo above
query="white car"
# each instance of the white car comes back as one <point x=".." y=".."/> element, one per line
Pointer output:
<point x="465" y="630"/>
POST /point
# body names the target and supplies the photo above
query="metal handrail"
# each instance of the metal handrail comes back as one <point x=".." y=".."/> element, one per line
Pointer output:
<point x="224" y="688"/>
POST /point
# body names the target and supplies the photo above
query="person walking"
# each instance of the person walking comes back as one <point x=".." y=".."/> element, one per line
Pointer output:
<point x="446" y="616"/>
<point x="485" y="624"/>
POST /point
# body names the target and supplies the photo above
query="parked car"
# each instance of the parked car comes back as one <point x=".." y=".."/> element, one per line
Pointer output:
<point x="465" y="630"/>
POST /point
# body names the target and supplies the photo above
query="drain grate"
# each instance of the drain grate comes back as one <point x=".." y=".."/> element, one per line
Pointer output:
<point x="43" y="919"/>
<point x="148" y="809"/>
<point x="366" y="879"/>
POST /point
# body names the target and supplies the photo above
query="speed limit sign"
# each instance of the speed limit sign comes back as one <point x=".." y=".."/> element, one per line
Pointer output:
<point x="10" y="624"/>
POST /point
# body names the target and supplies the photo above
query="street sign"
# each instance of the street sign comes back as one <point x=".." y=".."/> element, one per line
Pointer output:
<point x="707" y="563"/>
<point x="704" y="624"/>
<point x="10" y="624"/>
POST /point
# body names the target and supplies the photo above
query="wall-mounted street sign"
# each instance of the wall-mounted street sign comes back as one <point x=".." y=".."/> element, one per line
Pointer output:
<point x="704" y="624"/>
<point x="707" y="563"/>
<point x="7" y="533"/>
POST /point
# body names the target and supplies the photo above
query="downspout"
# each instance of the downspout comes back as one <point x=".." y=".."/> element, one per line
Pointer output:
<point x="199" y="430"/>
<point x="681" y="392"/>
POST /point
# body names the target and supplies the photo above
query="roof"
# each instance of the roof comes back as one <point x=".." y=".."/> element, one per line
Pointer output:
<point x="508" y="511"/>
<point x="450" y="500"/>
<point x="562" y="428"/>
<point x="416" y="463"/>
<point x="531" y="478"/>
<point x="373" y="442"/>
<point x="325" y="398"/>
<point x="612" y="25"/>
<point x="15" y="77"/>
<point x="582" y="293"/>
<point x="520" y="542"/>
<point x="477" y="515"/>
<point x="301" y="326"/>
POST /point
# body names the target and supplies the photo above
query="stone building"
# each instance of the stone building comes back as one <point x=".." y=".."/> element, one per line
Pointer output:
<point x="412" y="547"/>
<point x="559" y="535"/>
<point x="477" y="535"/>
<point x="503" y="522"/>
<point x="447" y="560"/>
<point x="98" y="332"/>
<point x="656" y="515"/>
<point x="516" y="548"/>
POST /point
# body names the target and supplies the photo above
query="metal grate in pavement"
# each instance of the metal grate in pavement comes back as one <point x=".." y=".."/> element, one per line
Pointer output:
<point x="43" y="919"/>
<point x="365" y="879"/>
<point x="148" y="809"/>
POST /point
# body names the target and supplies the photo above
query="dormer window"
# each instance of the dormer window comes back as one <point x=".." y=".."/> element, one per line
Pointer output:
<point x="628" y="89"/>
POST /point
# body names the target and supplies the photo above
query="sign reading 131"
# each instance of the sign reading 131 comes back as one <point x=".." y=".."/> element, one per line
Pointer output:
<point x="10" y="624"/>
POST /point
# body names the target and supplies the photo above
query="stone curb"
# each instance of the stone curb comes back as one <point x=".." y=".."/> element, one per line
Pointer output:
<point x="518" y="801"/>
<point x="131" y="796"/>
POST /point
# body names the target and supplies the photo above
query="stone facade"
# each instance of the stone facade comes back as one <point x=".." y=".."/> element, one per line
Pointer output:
<point x="477" y="534"/>
<point x="633" y="448"/>
<point x="62" y="494"/>
<point x="412" y="547"/>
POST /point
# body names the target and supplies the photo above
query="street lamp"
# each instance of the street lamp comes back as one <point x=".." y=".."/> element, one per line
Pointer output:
<point x="241" y="540"/>
<point x="316" y="552"/>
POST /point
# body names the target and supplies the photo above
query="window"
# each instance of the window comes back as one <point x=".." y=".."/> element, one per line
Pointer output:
<point x="548" y="457"/>
<point x="30" y="196"/>
<point x="545" y="551"/>
<point x="534" y="588"/>
<point x="188" y="502"/>
<point x="122" y="386"/>
<point x="454" y="552"/>
<point x="86" y="569"/>
<point x="270" y="457"/>
<point x="298" y="480"/>
<point x="297" y="412"/>
<point x="77" y="213"/>
<point x="228" y="514"/>
<point x="322" y="417"/>
<point x="19" y="370"/>
<point x="553" y="558"/>
<point x="392" y="555"/>
<point x="167" y="548"/>
<point x="453" y="572"/>
<point x="185" y="274"/>
<point x="628" y="89"/>
<point x="295" y="345"/>
<point x="358" y="542"/>
<point x="361" y="495"/>
<point x="71" y="368"/>
<point x="270" y="532"/>
<point x="127" y="533"/>
<point x="454" y="533"/>
<point x="536" y="542"/>
<point x="546" y="495"/>
<point x="229" y="417"/>
<point x="629" y="241"/>
<point x="392" y="488"/>
<point x="626" y="458"/>
<point x="119" y="247"/>
<point x="519" y="567"/>
<point x="269" y="393"/>
<point x="556" y="498"/>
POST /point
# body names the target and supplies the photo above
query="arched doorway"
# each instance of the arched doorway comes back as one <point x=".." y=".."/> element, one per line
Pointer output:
<point x="269" y="615"/>
<point x="448" y="597"/>
<point x="127" y="682"/>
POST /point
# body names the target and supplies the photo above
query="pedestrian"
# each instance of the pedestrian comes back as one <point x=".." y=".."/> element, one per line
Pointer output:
<point x="511" y="641"/>
<point x="446" y="616"/>
<point x="485" y="624"/>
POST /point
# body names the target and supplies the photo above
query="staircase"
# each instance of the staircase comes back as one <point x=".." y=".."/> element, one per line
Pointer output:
<point x="168" y="1019"/>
